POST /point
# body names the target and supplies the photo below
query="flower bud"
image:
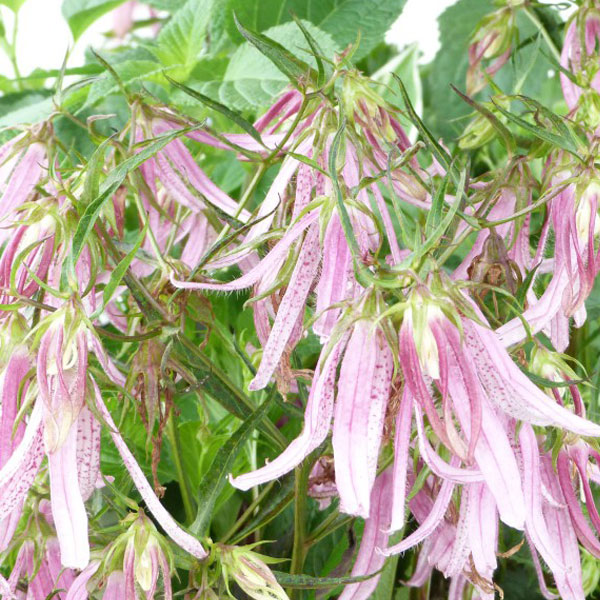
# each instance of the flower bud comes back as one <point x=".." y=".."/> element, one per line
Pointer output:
<point x="249" y="571"/>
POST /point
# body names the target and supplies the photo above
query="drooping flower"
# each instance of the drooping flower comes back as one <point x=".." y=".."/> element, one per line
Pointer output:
<point x="375" y="536"/>
<point x="39" y="565"/>
<point x="580" y="78"/>
<point x="492" y="40"/>
<point x="358" y="413"/>
<point x="249" y="570"/>
<point x="576" y="261"/>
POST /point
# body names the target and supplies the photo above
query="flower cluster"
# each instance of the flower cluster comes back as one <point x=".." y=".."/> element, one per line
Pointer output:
<point x="416" y="319"/>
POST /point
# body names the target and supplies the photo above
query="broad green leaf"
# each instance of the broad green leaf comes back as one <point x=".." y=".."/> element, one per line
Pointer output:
<point x="251" y="80"/>
<point x="182" y="39"/>
<point x="221" y="467"/>
<point x="343" y="20"/>
<point x="80" y="14"/>
<point x="170" y="5"/>
<point x="111" y="184"/>
<point x="14" y="5"/>
<point x="30" y="108"/>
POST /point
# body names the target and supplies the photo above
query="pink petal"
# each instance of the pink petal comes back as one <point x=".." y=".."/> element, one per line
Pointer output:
<point x="290" y="309"/>
<point x="363" y="391"/>
<point x="317" y="418"/>
<point x="263" y="268"/>
<point x="179" y="536"/>
<point x="375" y="535"/>
<point x="68" y="509"/>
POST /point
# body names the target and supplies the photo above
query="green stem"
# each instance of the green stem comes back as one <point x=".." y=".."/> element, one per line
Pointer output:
<point x="300" y="518"/>
<point x="182" y="479"/>
<point x="248" y="512"/>
<point x="542" y="29"/>
<point x="244" y="199"/>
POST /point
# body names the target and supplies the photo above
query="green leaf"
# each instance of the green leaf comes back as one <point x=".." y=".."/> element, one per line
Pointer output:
<point x="306" y="582"/>
<point x="295" y="69"/>
<point x="404" y="65"/>
<point x="218" y="385"/>
<point x="221" y="467"/>
<point x="14" y="5"/>
<point x="559" y="140"/>
<point x="130" y="72"/>
<point x="29" y="108"/>
<point x="117" y="275"/>
<point x="502" y="130"/>
<point x="438" y="150"/>
<point x="342" y="20"/>
<point x="111" y="184"/>
<point x="275" y="503"/>
<point x="182" y="39"/>
<point x="80" y="14"/>
<point x="251" y="80"/>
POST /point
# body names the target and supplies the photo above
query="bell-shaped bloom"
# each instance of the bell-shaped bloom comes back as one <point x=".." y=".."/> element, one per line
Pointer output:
<point x="574" y="218"/>
<point x="38" y="567"/>
<point x="144" y="559"/>
<point x="581" y="88"/>
<point x="492" y="41"/>
<point x="23" y="165"/>
<point x="71" y="434"/>
<point x="363" y="389"/>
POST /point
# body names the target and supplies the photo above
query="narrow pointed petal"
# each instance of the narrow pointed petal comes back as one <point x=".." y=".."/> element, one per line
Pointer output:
<point x="429" y="525"/>
<point x="68" y="510"/>
<point x="535" y="523"/>
<point x="375" y="535"/>
<point x="570" y="581"/>
<point x="493" y="453"/>
<point x="439" y="466"/>
<point x="461" y="549"/>
<point x="512" y="391"/>
<point x="78" y="589"/>
<point x="176" y="533"/>
<point x="336" y="281"/>
<point x="290" y="309"/>
<point x="88" y="452"/>
<point x="363" y="391"/>
<point x="584" y="533"/>
<point x="262" y="269"/>
<point x="483" y="529"/>
<point x="24" y="178"/>
<point x="317" y="418"/>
